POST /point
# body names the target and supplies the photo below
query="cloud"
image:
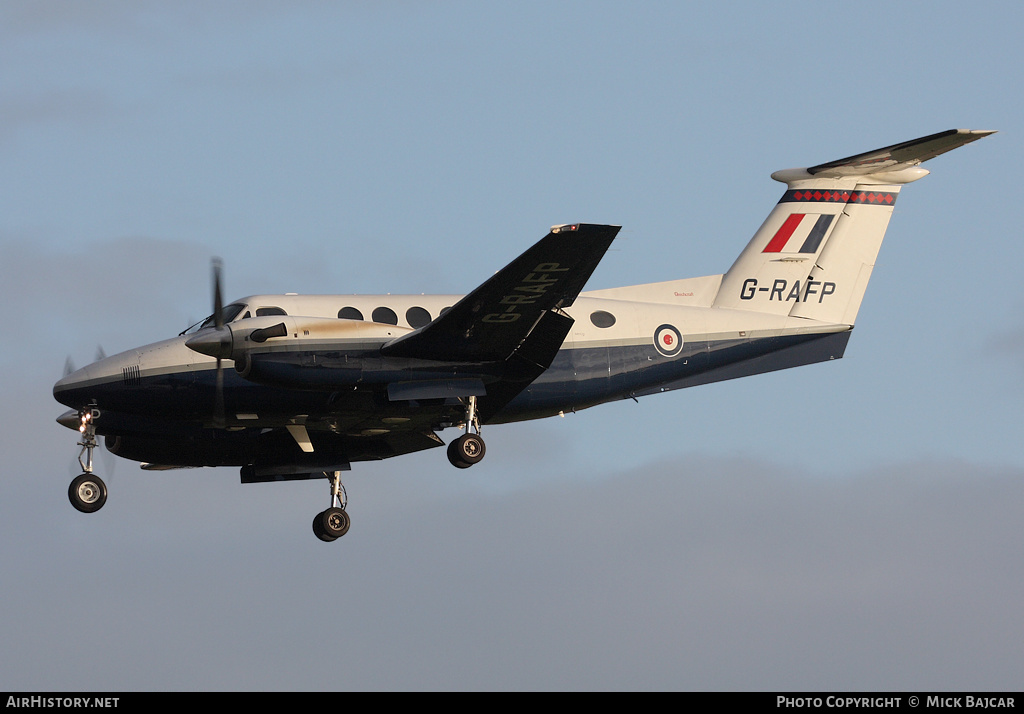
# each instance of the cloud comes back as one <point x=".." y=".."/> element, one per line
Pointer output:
<point x="694" y="572"/>
<point x="720" y="574"/>
<point x="1009" y="343"/>
<point x="27" y="110"/>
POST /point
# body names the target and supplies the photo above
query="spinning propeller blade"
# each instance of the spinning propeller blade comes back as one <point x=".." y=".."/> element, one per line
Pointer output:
<point x="218" y="305"/>
<point x="218" y="320"/>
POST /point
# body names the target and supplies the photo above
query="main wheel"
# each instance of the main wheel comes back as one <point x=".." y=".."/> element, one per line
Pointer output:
<point x="87" y="493"/>
<point x="318" y="529"/>
<point x="453" y="457"/>
<point x="467" y="450"/>
<point x="335" y="522"/>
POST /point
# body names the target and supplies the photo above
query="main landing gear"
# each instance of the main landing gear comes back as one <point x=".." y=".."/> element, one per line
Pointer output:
<point x="333" y="523"/>
<point x="469" y="448"/>
<point x="87" y="492"/>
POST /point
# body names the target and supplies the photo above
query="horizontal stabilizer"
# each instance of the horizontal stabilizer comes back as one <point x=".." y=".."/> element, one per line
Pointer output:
<point x="898" y="156"/>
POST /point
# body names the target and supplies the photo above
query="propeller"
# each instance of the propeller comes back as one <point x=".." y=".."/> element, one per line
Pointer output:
<point x="218" y="321"/>
<point x="69" y="364"/>
<point x="216" y="342"/>
<point x="218" y="303"/>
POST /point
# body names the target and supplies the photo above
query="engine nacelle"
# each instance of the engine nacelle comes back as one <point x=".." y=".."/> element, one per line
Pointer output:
<point x="281" y="333"/>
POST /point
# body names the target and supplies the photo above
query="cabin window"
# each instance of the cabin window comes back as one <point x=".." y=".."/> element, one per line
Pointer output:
<point x="600" y="318"/>
<point x="417" y="316"/>
<point x="385" y="315"/>
<point x="264" y="311"/>
<point x="350" y="313"/>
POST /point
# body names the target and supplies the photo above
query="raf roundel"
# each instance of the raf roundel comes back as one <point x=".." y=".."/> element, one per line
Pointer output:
<point x="668" y="341"/>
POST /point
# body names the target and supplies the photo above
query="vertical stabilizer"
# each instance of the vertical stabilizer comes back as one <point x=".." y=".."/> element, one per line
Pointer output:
<point x="813" y="255"/>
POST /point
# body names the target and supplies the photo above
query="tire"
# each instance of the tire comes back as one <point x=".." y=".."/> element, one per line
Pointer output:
<point x="453" y="457"/>
<point x="318" y="529"/>
<point x="468" y="449"/>
<point x="87" y="493"/>
<point x="335" y="522"/>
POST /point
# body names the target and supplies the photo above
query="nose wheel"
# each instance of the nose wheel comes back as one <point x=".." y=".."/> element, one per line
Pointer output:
<point x="87" y="492"/>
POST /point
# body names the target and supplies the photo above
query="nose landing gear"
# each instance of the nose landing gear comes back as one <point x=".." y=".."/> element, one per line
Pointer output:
<point x="87" y="492"/>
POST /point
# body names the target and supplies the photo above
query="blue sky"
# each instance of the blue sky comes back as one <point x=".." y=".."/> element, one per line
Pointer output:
<point x="846" y="525"/>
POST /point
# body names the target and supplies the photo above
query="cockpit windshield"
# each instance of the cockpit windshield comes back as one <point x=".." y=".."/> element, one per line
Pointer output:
<point x="230" y="312"/>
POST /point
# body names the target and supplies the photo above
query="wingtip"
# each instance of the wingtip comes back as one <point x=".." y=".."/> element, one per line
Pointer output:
<point x="577" y="227"/>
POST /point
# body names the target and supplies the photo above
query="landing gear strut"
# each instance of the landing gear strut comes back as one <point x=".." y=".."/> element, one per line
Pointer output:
<point x="333" y="523"/>
<point x="469" y="448"/>
<point x="87" y="492"/>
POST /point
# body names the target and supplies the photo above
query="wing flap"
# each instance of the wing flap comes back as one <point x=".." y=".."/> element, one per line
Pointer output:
<point x="436" y="389"/>
<point x="533" y="356"/>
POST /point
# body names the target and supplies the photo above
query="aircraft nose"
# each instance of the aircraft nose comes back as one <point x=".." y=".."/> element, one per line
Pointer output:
<point x="131" y="380"/>
<point x="92" y="384"/>
<point x="66" y="389"/>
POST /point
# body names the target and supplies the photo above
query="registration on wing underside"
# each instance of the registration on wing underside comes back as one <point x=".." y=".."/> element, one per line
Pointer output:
<point x="490" y="323"/>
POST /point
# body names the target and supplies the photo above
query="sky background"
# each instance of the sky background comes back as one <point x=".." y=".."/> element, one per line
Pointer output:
<point x="849" y="525"/>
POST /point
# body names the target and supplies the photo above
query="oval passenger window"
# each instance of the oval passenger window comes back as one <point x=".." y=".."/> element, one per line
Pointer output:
<point x="417" y="316"/>
<point x="601" y="318"/>
<point x="385" y="315"/>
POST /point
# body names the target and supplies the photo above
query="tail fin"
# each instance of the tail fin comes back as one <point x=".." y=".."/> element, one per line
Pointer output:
<point x="813" y="255"/>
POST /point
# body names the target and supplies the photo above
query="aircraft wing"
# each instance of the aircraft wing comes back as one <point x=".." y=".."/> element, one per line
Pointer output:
<point x="511" y="311"/>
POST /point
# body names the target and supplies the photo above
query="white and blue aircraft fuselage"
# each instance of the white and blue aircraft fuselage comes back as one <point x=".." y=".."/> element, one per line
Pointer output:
<point x="318" y="382"/>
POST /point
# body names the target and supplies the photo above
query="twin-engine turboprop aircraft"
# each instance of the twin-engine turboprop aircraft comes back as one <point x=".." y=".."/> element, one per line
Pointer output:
<point x="298" y="387"/>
